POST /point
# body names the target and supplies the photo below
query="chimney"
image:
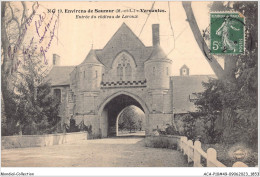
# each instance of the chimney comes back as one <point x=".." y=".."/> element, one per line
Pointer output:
<point x="56" y="60"/>
<point x="156" y="34"/>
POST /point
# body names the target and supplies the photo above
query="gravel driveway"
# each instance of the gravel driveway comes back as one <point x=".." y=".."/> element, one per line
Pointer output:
<point x="109" y="152"/>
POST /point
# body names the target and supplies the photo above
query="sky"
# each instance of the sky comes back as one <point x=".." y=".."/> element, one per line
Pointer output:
<point x="77" y="36"/>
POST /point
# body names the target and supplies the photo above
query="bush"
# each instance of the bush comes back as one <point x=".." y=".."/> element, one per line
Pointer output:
<point x="244" y="128"/>
<point x="160" y="142"/>
<point x="171" y="130"/>
<point x="77" y="128"/>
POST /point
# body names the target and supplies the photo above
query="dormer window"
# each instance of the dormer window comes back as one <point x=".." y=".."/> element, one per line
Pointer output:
<point x="184" y="71"/>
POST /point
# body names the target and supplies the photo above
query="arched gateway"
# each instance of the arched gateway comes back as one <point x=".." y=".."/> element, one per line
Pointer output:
<point x="110" y="109"/>
<point x="125" y="72"/>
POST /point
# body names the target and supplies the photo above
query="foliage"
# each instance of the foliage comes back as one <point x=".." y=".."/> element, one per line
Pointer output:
<point x="131" y="118"/>
<point x="72" y="127"/>
<point x="229" y="106"/>
<point x="9" y="119"/>
<point x="189" y="126"/>
<point x="244" y="128"/>
<point x="171" y="130"/>
<point x="210" y="105"/>
<point x="221" y="100"/>
<point x="35" y="110"/>
<point x="27" y="102"/>
<point x="160" y="142"/>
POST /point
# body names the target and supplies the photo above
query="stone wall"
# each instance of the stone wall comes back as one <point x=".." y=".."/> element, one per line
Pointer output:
<point x="92" y="120"/>
<point x="41" y="140"/>
<point x="159" y="121"/>
<point x="64" y="106"/>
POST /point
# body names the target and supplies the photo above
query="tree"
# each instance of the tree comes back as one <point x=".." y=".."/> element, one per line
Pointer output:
<point x="237" y="84"/>
<point x="13" y="29"/>
<point x="249" y="10"/>
<point x="131" y="118"/>
<point x="242" y="124"/>
<point x="200" y="40"/>
<point x="35" y="110"/>
<point x="14" y="22"/>
<point x="29" y="107"/>
<point x="210" y="107"/>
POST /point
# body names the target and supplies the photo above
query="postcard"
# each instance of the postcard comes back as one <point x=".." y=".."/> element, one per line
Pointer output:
<point x="129" y="84"/>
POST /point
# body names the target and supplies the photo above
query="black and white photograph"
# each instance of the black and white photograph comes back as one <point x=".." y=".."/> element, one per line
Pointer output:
<point x="129" y="84"/>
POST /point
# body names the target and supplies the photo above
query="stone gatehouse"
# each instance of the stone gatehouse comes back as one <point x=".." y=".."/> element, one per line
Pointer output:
<point x="125" y="72"/>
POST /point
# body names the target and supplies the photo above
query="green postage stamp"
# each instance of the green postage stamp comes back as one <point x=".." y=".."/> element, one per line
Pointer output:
<point x="227" y="33"/>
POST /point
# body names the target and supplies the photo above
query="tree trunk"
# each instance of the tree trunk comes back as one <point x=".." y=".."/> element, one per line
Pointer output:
<point x="200" y="41"/>
<point x="227" y="74"/>
<point x="230" y="68"/>
<point x="227" y="119"/>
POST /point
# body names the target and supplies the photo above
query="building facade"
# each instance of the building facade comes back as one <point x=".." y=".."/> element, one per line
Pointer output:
<point x="125" y="72"/>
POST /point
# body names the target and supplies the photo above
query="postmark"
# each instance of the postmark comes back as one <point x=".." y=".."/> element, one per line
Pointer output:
<point x="227" y="33"/>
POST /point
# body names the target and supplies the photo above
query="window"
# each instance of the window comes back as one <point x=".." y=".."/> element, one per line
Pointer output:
<point x="124" y="67"/>
<point x="70" y="97"/>
<point x="96" y="74"/>
<point x="120" y="71"/>
<point x="194" y="97"/>
<point x="184" y="72"/>
<point x="128" y="70"/>
<point x="57" y="94"/>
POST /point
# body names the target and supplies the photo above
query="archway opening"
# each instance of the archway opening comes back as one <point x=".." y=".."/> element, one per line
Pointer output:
<point x="131" y="122"/>
<point x="114" y="108"/>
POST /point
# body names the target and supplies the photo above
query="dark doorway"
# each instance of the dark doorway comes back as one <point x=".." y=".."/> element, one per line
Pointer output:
<point x="114" y="107"/>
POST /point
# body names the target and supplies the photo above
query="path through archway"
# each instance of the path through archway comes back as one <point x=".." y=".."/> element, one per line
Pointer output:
<point x="130" y="122"/>
<point x="113" y="108"/>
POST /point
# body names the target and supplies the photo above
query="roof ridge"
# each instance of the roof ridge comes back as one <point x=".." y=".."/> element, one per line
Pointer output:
<point x="124" y="25"/>
<point x="196" y="75"/>
<point x="65" y="66"/>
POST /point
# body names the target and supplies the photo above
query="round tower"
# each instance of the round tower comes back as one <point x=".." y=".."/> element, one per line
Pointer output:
<point x="90" y="73"/>
<point x="158" y="69"/>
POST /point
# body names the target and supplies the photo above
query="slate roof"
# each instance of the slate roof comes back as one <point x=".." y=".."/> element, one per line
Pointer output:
<point x="60" y="75"/>
<point x="91" y="58"/>
<point x="184" y="66"/>
<point x="157" y="53"/>
<point x="183" y="89"/>
<point x="123" y="40"/>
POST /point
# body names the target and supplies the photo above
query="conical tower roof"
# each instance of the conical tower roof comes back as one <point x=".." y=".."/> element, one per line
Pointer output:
<point x="157" y="53"/>
<point x="91" y="58"/>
